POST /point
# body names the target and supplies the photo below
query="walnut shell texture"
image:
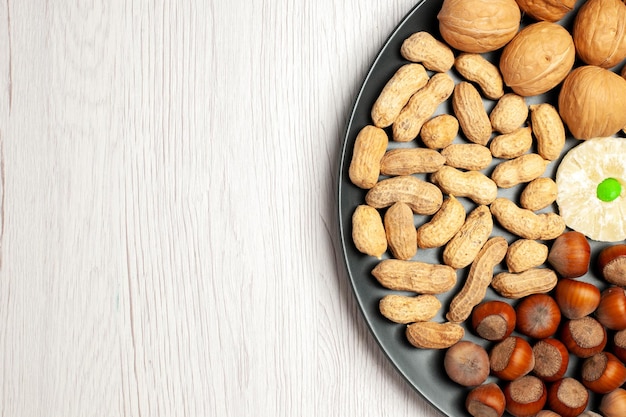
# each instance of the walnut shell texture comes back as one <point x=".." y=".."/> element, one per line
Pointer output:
<point x="600" y="32"/>
<point x="548" y="10"/>
<point x="478" y="26"/>
<point x="592" y="102"/>
<point x="538" y="58"/>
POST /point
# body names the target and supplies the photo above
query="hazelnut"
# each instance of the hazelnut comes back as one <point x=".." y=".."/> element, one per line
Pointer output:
<point x="568" y="397"/>
<point x="551" y="359"/>
<point x="612" y="263"/>
<point x="569" y="255"/>
<point x="467" y="363"/>
<point x="603" y="372"/>
<point x="576" y="299"/>
<point x="485" y="400"/>
<point x="538" y="316"/>
<point x="511" y="358"/>
<point x="493" y="320"/>
<point x="583" y="337"/>
<point x="613" y="404"/>
<point x="611" y="311"/>
<point x="618" y="346"/>
<point x="525" y="396"/>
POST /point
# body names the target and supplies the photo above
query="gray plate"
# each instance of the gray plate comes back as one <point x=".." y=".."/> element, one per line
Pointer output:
<point x="422" y="369"/>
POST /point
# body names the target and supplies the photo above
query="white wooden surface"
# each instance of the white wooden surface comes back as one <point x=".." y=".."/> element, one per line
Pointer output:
<point x="168" y="232"/>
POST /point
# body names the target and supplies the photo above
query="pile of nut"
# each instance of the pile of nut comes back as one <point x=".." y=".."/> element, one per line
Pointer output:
<point x="554" y="314"/>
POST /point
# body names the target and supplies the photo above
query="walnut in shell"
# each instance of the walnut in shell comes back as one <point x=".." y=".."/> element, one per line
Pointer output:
<point x="600" y="32"/>
<point x="478" y="25"/>
<point x="592" y="102"/>
<point x="538" y="58"/>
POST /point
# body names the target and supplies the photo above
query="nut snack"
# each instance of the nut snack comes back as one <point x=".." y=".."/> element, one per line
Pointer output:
<point x="464" y="226"/>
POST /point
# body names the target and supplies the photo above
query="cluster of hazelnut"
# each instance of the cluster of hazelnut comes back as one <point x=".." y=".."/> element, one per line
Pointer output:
<point x="577" y="319"/>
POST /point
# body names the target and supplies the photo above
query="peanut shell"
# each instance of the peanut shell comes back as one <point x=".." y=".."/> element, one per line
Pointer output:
<point x="532" y="281"/>
<point x="443" y="225"/>
<point x="548" y="129"/>
<point x="433" y="335"/>
<point x="512" y="145"/>
<point x="468" y="156"/>
<point x="478" y="280"/>
<point x="462" y="249"/>
<point x="369" y="147"/>
<point x="471" y="184"/>
<point x="440" y="131"/>
<point x="406" y="309"/>
<point x="525" y="223"/>
<point x="470" y="111"/>
<point x="422" y="47"/>
<point x="539" y="194"/>
<point x="400" y="231"/>
<point x="509" y="113"/>
<point x="407" y="80"/>
<point x="421" y="196"/>
<point x="407" y="161"/>
<point x="475" y="68"/>
<point x="524" y="168"/>
<point x="524" y="254"/>
<point x="414" y="276"/>
<point x="421" y="107"/>
<point x="368" y="232"/>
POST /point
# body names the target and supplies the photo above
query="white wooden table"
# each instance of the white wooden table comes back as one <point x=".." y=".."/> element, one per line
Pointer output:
<point x="169" y="241"/>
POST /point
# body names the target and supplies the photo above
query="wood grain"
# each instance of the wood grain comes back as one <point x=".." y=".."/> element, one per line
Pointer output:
<point x="168" y="232"/>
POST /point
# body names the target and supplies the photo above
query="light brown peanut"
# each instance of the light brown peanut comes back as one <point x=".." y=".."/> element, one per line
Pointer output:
<point x="470" y="111"/>
<point x="509" y="113"/>
<point x="421" y="107"/>
<point x="524" y="254"/>
<point x="467" y="242"/>
<point x="421" y="196"/>
<point x="369" y="147"/>
<point x="474" y="67"/>
<point x="407" y="80"/>
<point x="401" y="232"/>
<point x="470" y="156"/>
<point x="440" y="131"/>
<point x="443" y="225"/>
<point x="526" y="223"/>
<point x="471" y="184"/>
<point x="539" y="194"/>
<point x="548" y="129"/>
<point x="405" y="309"/>
<point x="422" y="47"/>
<point x="368" y="232"/>
<point x="415" y="276"/>
<point x="407" y="161"/>
<point x="512" y="145"/>
<point x="434" y="335"/>
<point x="531" y="281"/>
<point x="519" y="170"/>
<point x="478" y="279"/>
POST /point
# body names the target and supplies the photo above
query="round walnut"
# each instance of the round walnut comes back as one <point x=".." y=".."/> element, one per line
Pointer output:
<point x="538" y="58"/>
<point x="600" y="32"/>
<point x="478" y="26"/>
<point x="548" y="10"/>
<point x="592" y="102"/>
